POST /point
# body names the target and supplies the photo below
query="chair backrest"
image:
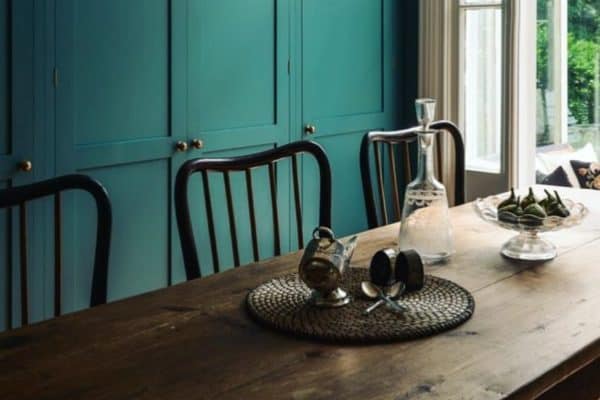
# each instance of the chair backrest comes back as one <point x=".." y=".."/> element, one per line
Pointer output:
<point x="19" y="196"/>
<point x="400" y="140"/>
<point x="246" y="163"/>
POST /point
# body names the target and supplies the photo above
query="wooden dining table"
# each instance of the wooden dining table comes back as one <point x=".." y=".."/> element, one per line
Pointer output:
<point x="535" y="333"/>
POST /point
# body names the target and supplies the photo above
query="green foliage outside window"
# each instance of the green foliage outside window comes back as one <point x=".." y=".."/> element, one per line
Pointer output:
<point x="583" y="57"/>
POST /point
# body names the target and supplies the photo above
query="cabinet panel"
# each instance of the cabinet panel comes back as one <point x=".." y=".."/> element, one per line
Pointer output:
<point x="348" y="215"/>
<point x="120" y="72"/>
<point x="237" y="69"/>
<point x="342" y="57"/>
<point x="232" y="64"/>
<point x="238" y="103"/>
<point x="4" y="77"/>
<point x="348" y="89"/>
<point x="118" y="118"/>
<point x="136" y="76"/>
<point x="16" y="143"/>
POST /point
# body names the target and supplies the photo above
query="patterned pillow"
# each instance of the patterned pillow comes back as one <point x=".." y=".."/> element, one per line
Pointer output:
<point x="588" y="174"/>
<point x="558" y="177"/>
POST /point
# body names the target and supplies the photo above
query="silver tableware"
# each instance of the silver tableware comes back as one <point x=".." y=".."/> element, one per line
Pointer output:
<point x="322" y="266"/>
<point x="381" y="269"/>
<point x="375" y="292"/>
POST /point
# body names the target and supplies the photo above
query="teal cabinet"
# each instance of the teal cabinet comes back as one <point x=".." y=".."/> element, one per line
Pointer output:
<point x="348" y="88"/>
<point x="118" y="119"/>
<point x="16" y="144"/>
<point x="238" y="82"/>
<point x="118" y="84"/>
<point x="238" y="90"/>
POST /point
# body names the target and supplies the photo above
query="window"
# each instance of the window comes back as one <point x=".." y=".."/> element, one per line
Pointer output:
<point x="568" y="77"/>
<point x="481" y="87"/>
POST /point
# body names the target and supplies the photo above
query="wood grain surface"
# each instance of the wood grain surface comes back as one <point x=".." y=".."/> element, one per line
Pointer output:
<point x="535" y="325"/>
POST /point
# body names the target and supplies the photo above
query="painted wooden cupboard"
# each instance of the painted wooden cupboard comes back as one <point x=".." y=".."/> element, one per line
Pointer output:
<point x="126" y="91"/>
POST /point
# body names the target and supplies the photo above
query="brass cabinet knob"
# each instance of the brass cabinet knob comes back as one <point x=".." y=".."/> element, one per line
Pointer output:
<point x="181" y="146"/>
<point x="25" y="166"/>
<point x="310" y="129"/>
<point x="197" y="144"/>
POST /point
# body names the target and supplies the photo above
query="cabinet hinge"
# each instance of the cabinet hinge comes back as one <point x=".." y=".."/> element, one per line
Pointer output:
<point x="55" y="77"/>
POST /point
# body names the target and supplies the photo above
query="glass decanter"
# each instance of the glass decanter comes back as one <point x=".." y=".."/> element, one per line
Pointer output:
<point x="425" y="223"/>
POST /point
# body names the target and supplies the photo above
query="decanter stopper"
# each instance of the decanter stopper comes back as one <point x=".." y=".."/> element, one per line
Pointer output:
<point x="425" y="109"/>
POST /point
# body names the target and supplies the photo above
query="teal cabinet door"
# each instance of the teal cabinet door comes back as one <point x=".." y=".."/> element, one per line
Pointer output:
<point x="238" y="84"/>
<point x="237" y="103"/>
<point x="348" y="88"/>
<point x="16" y="145"/>
<point x="119" y="103"/>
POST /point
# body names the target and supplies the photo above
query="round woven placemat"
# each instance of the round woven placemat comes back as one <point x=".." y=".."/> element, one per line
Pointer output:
<point x="282" y="303"/>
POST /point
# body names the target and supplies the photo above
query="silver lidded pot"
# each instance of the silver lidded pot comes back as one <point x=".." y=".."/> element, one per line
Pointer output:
<point x="322" y="266"/>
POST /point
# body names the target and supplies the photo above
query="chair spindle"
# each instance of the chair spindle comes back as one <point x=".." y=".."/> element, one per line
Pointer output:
<point x="395" y="191"/>
<point x="438" y="163"/>
<point x="407" y="166"/>
<point x="211" y="224"/>
<point x="272" y="184"/>
<point x="231" y="214"/>
<point x="297" y="202"/>
<point x="23" y="263"/>
<point x="253" y="232"/>
<point x="379" y="169"/>
<point x="57" y="255"/>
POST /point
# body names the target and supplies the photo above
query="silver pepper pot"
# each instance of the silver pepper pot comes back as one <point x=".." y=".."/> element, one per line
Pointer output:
<point x="322" y="266"/>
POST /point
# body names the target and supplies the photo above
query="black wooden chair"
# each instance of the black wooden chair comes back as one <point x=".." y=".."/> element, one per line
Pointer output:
<point x="246" y="163"/>
<point x="392" y="141"/>
<point x="19" y="196"/>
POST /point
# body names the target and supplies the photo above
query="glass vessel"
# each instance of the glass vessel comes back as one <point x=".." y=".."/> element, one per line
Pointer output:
<point x="425" y="110"/>
<point x="425" y="223"/>
<point x="528" y="245"/>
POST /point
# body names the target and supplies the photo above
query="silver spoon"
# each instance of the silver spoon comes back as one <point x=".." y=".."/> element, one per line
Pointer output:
<point x="373" y="291"/>
<point x="376" y="304"/>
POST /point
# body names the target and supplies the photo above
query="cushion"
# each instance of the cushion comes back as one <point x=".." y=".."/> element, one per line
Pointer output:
<point x="558" y="177"/>
<point x="588" y="174"/>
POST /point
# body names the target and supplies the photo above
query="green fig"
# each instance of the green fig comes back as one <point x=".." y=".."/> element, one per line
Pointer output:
<point x="535" y="210"/>
<point x="529" y="199"/>
<point x="511" y="208"/>
<point x="549" y="202"/>
<point x="510" y="200"/>
<point x="559" y="211"/>
<point x="519" y="210"/>
<point x="507" y="217"/>
<point x="558" y="208"/>
<point x="558" y="199"/>
<point x="551" y="199"/>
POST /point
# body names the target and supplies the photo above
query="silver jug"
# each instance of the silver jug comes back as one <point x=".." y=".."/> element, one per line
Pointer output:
<point x="322" y="266"/>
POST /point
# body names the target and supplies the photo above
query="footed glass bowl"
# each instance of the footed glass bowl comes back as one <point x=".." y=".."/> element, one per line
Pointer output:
<point x="528" y="245"/>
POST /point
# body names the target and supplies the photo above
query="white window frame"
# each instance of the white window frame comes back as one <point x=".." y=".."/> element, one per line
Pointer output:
<point x="481" y="166"/>
<point x="521" y="116"/>
<point x="439" y="46"/>
<point x="558" y="72"/>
